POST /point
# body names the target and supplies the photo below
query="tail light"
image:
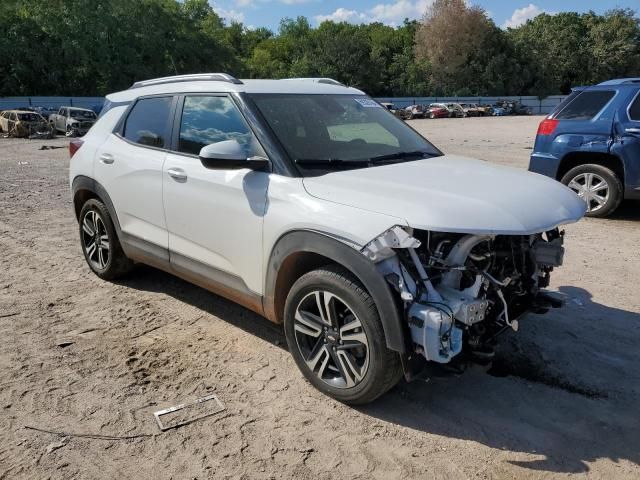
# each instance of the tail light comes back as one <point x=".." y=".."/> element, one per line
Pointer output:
<point x="547" y="126"/>
<point x="74" y="146"/>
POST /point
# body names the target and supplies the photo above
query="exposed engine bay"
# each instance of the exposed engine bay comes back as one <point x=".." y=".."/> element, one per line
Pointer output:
<point x="460" y="291"/>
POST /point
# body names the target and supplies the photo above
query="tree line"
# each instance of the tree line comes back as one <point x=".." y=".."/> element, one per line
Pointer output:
<point x="93" y="47"/>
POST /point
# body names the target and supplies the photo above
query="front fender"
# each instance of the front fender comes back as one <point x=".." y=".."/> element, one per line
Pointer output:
<point x="338" y="252"/>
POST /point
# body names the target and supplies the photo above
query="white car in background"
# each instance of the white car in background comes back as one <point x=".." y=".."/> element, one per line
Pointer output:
<point x="311" y="204"/>
<point x="73" y="121"/>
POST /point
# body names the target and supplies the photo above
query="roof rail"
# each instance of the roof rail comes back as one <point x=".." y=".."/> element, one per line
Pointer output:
<point x="621" y="81"/>
<point x="328" y="81"/>
<point x="213" y="77"/>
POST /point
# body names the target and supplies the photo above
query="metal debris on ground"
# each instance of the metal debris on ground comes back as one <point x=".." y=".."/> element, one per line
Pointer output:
<point x="51" y="147"/>
<point x="93" y="436"/>
<point x="185" y="413"/>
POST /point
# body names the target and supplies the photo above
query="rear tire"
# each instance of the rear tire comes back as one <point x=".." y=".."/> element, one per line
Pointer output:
<point x="599" y="186"/>
<point x="336" y="338"/>
<point x="99" y="241"/>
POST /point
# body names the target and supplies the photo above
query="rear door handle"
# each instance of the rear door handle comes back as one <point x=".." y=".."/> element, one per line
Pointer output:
<point x="633" y="131"/>
<point x="177" y="174"/>
<point x="106" y="158"/>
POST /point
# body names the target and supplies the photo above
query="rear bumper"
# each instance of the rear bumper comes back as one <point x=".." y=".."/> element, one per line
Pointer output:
<point x="544" y="164"/>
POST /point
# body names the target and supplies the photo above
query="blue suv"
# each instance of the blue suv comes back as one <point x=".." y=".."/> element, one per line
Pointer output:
<point x="591" y="143"/>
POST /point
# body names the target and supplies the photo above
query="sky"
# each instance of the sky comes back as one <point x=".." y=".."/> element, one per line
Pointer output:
<point x="267" y="13"/>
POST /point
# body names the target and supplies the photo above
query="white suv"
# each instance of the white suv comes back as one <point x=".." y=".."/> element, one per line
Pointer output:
<point x="311" y="204"/>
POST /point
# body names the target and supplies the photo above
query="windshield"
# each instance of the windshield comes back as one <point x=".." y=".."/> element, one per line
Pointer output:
<point x="81" y="114"/>
<point x="340" y="131"/>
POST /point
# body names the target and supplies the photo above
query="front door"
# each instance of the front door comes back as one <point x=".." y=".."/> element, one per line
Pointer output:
<point x="214" y="216"/>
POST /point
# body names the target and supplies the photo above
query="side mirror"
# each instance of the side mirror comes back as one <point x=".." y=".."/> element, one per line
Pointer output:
<point x="229" y="154"/>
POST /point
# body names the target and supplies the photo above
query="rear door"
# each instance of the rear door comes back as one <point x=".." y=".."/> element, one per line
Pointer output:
<point x="129" y="166"/>
<point x="627" y="140"/>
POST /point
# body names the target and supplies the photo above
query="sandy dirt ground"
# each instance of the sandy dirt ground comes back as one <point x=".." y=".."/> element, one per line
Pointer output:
<point x="80" y="355"/>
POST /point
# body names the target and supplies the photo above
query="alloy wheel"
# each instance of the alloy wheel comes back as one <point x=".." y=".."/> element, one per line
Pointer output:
<point x="95" y="240"/>
<point x="592" y="188"/>
<point x="331" y="339"/>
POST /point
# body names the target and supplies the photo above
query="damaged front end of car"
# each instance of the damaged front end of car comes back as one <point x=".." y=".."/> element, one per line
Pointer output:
<point x="459" y="292"/>
<point x="77" y="127"/>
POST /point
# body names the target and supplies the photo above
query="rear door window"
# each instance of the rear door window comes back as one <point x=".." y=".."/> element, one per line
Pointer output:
<point x="586" y="105"/>
<point x="147" y="122"/>
<point x="634" y="109"/>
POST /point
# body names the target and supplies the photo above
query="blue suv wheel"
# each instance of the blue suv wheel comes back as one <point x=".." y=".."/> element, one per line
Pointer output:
<point x="598" y="186"/>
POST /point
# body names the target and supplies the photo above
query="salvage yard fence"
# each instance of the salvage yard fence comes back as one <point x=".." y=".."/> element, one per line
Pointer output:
<point x="537" y="105"/>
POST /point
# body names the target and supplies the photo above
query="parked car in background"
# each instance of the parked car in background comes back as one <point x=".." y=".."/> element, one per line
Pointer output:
<point x="518" y="108"/>
<point x="498" y="111"/>
<point x="485" y="110"/>
<point x="25" y="124"/>
<point x="470" y="109"/>
<point x="73" y="121"/>
<point x="401" y="113"/>
<point x="512" y="107"/>
<point x="415" y="111"/>
<point x="378" y="253"/>
<point x="455" y="110"/>
<point x="437" y="110"/>
<point x="591" y="143"/>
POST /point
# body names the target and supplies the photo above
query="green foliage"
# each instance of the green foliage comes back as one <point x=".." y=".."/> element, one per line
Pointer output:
<point x="92" y="47"/>
<point x="570" y="49"/>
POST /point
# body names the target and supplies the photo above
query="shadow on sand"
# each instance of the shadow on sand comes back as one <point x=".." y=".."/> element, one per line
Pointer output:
<point x="558" y="394"/>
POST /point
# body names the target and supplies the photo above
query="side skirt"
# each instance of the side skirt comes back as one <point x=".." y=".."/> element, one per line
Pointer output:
<point x="216" y="281"/>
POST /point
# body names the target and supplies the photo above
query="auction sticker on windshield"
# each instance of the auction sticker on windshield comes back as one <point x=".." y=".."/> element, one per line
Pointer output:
<point x="367" y="102"/>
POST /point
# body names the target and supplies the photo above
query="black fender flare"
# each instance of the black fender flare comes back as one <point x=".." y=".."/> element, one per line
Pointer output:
<point x="82" y="182"/>
<point x="303" y="241"/>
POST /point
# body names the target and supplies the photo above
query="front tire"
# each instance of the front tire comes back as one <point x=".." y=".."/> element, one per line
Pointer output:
<point x="335" y="335"/>
<point x="100" y="244"/>
<point x="598" y="186"/>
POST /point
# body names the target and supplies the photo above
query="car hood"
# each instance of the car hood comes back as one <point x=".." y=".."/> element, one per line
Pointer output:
<point x="454" y="194"/>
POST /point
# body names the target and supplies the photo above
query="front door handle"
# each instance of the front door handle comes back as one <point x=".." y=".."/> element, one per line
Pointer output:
<point x="633" y="131"/>
<point x="177" y="174"/>
<point x="106" y="158"/>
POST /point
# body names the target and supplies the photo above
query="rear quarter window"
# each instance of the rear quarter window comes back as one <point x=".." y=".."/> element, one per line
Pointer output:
<point x="634" y="109"/>
<point x="586" y="105"/>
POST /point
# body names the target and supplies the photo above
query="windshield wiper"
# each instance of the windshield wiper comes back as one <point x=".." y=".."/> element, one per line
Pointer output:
<point x="364" y="162"/>
<point x="324" y="162"/>
<point x="397" y="156"/>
